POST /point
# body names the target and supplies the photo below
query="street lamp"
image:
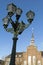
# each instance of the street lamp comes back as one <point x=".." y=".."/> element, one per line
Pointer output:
<point x="17" y="27"/>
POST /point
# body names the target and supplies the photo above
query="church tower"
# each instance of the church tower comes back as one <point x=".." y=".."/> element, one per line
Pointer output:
<point x="31" y="57"/>
<point x="32" y="42"/>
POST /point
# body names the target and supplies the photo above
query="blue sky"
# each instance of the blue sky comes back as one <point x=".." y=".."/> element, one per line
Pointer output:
<point x="24" y="39"/>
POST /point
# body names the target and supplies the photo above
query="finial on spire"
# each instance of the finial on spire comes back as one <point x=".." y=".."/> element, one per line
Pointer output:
<point x="32" y="30"/>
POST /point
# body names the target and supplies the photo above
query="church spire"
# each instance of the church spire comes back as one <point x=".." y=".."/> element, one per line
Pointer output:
<point x="32" y="39"/>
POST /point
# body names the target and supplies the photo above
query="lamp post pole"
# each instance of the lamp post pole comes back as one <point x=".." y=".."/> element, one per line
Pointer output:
<point x="17" y="27"/>
<point x="12" y="61"/>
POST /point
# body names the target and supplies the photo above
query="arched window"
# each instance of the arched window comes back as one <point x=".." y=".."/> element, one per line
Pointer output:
<point x="25" y="62"/>
<point x="34" y="60"/>
<point x="29" y="60"/>
<point x="39" y="62"/>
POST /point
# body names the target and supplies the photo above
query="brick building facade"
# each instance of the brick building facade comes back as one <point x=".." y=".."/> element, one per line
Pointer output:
<point x="1" y="62"/>
<point x="31" y="57"/>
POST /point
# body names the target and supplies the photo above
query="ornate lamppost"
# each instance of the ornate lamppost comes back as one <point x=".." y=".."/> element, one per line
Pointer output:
<point x="17" y="27"/>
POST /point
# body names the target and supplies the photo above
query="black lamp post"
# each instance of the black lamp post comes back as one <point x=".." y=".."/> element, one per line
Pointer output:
<point x="17" y="27"/>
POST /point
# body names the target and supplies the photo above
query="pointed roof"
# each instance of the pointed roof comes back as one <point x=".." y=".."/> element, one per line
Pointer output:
<point x="32" y="39"/>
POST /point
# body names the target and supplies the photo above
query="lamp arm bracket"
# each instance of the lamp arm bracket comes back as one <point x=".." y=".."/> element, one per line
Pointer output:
<point x="27" y="25"/>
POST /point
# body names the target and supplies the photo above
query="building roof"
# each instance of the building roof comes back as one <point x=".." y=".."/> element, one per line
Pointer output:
<point x="18" y="53"/>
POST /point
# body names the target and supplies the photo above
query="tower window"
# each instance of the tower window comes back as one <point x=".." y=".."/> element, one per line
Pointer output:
<point x="16" y="55"/>
<point x="29" y="60"/>
<point x="19" y="55"/>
